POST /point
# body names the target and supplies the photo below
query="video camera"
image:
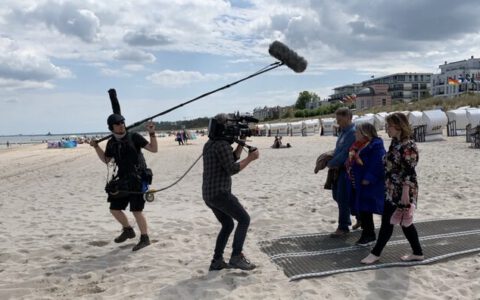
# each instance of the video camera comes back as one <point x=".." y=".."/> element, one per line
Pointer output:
<point x="236" y="126"/>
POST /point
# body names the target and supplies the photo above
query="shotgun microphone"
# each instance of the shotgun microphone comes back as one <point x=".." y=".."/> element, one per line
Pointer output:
<point x="287" y="56"/>
<point x="114" y="100"/>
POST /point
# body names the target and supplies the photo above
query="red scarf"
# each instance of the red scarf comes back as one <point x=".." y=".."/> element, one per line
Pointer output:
<point x="354" y="156"/>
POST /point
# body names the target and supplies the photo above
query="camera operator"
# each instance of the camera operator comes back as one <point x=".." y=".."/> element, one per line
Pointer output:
<point x="125" y="148"/>
<point x="219" y="164"/>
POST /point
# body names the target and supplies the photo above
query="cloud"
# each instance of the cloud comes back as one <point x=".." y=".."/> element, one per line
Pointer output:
<point x="133" y="67"/>
<point x="11" y="101"/>
<point x="144" y="38"/>
<point x="12" y="84"/>
<point x="169" y="78"/>
<point x="26" y="68"/>
<point x="134" y="55"/>
<point x="67" y="18"/>
<point x="114" y="73"/>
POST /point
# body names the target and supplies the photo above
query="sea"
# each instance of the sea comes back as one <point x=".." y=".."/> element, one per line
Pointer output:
<point x="21" y="139"/>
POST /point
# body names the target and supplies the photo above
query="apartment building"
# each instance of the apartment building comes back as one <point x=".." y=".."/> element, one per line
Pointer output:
<point x="404" y="87"/>
<point x="456" y="78"/>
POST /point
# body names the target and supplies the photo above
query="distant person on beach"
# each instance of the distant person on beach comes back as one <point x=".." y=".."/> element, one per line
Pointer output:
<point x="277" y="143"/>
<point x="179" y="138"/>
<point x="8" y="144"/>
<point x="366" y="179"/>
<point x="219" y="164"/>
<point x="125" y="148"/>
<point x="344" y="141"/>
<point x="401" y="189"/>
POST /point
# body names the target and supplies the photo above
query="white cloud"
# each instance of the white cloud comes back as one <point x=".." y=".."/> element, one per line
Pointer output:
<point x="26" y="68"/>
<point x="114" y="73"/>
<point x="145" y="38"/>
<point x="169" y="78"/>
<point x="12" y="84"/>
<point x="133" y="67"/>
<point x="65" y="17"/>
<point x="134" y="55"/>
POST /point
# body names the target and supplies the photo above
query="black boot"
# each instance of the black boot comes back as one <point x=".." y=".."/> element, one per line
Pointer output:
<point x="127" y="233"/>
<point x="144" y="242"/>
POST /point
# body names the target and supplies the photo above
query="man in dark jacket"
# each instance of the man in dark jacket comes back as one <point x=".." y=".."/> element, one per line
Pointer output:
<point x="219" y="164"/>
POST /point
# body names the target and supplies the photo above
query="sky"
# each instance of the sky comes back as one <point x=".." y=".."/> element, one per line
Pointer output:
<point x="59" y="58"/>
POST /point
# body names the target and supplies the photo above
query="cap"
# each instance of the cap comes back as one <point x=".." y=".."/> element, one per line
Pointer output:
<point x="113" y="119"/>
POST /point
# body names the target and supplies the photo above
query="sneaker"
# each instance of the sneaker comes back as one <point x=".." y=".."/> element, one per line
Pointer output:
<point x="339" y="233"/>
<point x="241" y="262"/>
<point x="365" y="240"/>
<point x="127" y="233"/>
<point x="218" y="264"/>
<point x="144" y="242"/>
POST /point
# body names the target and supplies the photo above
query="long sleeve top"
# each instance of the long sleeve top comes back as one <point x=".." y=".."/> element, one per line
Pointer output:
<point x="219" y="164"/>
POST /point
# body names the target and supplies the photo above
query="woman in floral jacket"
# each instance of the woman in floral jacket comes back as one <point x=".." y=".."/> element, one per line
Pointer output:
<point x="401" y="189"/>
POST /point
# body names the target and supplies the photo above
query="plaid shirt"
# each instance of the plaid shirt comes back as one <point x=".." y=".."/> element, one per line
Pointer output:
<point x="219" y="164"/>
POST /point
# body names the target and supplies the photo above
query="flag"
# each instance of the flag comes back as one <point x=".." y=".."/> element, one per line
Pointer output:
<point x="452" y="81"/>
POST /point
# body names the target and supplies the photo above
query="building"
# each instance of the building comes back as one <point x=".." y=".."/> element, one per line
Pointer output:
<point x="316" y="103"/>
<point x="270" y="112"/>
<point x="456" y="78"/>
<point x="404" y="87"/>
<point x="373" y="95"/>
<point x="341" y="92"/>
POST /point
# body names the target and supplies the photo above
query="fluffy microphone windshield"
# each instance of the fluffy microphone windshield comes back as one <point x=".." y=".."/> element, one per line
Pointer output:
<point x="288" y="57"/>
<point x="113" y="99"/>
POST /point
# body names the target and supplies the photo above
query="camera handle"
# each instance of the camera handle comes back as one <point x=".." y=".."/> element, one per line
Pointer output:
<point x="242" y="143"/>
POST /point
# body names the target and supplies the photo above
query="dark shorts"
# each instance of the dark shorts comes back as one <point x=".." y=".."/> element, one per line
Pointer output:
<point x="135" y="200"/>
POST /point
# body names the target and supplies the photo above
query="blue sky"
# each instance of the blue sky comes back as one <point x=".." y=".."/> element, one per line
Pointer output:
<point x="59" y="58"/>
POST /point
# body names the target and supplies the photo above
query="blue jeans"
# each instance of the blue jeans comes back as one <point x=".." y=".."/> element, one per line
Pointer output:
<point x="339" y="193"/>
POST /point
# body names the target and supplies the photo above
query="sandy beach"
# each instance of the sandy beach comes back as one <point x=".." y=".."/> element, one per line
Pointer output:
<point x="56" y="233"/>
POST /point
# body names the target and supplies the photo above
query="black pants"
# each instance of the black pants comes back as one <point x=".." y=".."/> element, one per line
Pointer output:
<point x="226" y="208"/>
<point x="386" y="231"/>
<point x="368" y="227"/>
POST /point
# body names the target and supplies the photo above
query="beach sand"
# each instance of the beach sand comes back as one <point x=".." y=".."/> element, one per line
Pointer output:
<point x="56" y="233"/>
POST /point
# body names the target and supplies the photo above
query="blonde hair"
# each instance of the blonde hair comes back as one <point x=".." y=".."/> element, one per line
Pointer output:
<point x="367" y="130"/>
<point x="400" y="122"/>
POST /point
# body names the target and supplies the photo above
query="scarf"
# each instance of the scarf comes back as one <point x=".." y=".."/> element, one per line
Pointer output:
<point x="118" y="137"/>
<point x="354" y="156"/>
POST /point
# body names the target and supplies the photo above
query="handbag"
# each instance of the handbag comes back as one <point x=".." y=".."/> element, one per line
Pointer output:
<point x="403" y="216"/>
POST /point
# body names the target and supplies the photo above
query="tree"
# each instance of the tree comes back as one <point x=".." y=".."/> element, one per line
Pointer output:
<point x="305" y="97"/>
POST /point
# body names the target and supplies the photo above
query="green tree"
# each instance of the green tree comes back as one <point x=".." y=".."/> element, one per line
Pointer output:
<point x="299" y="114"/>
<point x="305" y="97"/>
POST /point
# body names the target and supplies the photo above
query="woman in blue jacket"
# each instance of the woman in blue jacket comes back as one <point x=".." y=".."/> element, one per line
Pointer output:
<point x="366" y="179"/>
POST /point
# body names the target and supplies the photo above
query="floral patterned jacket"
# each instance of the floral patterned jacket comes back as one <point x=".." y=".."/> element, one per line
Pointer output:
<point x="400" y="162"/>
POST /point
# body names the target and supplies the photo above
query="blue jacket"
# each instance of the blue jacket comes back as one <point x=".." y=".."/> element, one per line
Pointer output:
<point x="344" y="141"/>
<point x="371" y="197"/>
